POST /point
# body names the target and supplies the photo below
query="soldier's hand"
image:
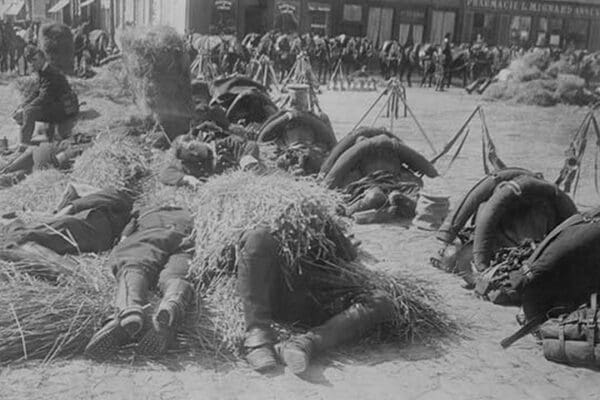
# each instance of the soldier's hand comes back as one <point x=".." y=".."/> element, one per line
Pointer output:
<point x="192" y="181"/>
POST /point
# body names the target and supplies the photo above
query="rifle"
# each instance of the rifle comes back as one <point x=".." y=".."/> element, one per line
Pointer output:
<point x="525" y="329"/>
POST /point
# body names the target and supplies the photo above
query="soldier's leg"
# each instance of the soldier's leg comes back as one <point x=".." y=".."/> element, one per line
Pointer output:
<point x="349" y="325"/>
<point x="177" y="294"/>
<point x="136" y="263"/>
<point x="258" y="276"/>
<point x="30" y="116"/>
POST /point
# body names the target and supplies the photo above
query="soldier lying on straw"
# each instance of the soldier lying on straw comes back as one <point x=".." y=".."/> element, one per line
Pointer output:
<point x="201" y="153"/>
<point x="266" y="297"/>
<point x="83" y="224"/>
<point x="35" y="158"/>
<point x="155" y="250"/>
<point x="270" y="252"/>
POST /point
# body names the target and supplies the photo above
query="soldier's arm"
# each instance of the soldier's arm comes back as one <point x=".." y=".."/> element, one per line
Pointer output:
<point x="116" y="200"/>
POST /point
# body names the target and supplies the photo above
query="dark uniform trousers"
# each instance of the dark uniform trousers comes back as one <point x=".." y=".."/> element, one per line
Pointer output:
<point x="158" y="248"/>
<point x="265" y="295"/>
<point x="102" y="217"/>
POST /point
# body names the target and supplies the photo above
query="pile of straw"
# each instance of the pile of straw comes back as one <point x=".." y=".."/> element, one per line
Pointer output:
<point x="39" y="193"/>
<point x="56" y="40"/>
<point x="537" y="80"/>
<point x="115" y="160"/>
<point x="158" y="72"/>
<point x="43" y="319"/>
<point x="301" y="217"/>
<point x="109" y="83"/>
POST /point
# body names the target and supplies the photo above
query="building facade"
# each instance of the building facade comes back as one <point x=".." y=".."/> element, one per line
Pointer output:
<point x="563" y="23"/>
<point x="380" y="20"/>
<point x="529" y="22"/>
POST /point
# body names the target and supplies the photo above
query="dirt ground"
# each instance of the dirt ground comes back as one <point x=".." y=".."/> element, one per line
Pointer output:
<point x="470" y="367"/>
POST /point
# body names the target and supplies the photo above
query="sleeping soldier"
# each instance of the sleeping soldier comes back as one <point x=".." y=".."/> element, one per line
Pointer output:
<point x="267" y="298"/>
<point x="84" y="224"/>
<point x="36" y="158"/>
<point x="155" y="251"/>
<point x="198" y="155"/>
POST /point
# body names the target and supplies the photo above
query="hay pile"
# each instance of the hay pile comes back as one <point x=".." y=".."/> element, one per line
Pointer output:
<point x="39" y="193"/>
<point x="109" y="83"/>
<point x="115" y="160"/>
<point x="46" y="318"/>
<point x="56" y="40"/>
<point x="301" y="216"/>
<point x="158" y="72"/>
<point x="537" y="80"/>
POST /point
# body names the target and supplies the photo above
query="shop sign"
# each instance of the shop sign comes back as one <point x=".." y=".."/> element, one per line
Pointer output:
<point x="223" y="5"/>
<point x="541" y="7"/>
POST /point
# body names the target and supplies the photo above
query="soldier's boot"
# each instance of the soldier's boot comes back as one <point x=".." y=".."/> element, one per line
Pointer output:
<point x="260" y="352"/>
<point x="351" y="324"/>
<point x="128" y="322"/>
<point x="178" y="295"/>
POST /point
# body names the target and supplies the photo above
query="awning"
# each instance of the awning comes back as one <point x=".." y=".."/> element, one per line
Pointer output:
<point x="59" y="6"/>
<point x="4" y="8"/>
<point x="15" y="8"/>
<point x="86" y="3"/>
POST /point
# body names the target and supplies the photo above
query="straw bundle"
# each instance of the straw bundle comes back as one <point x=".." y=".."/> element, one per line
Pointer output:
<point x="43" y="319"/>
<point x="301" y="217"/>
<point x="158" y="71"/>
<point x="38" y="193"/>
<point x="56" y="40"/>
<point x="113" y="161"/>
<point x="534" y="79"/>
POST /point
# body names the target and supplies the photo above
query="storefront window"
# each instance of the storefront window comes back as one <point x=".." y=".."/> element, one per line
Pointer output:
<point x="549" y="31"/>
<point x="352" y="12"/>
<point x="576" y="33"/>
<point x="319" y="17"/>
<point x="519" y="30"/>
<point x="484" y="28"/>
<point x="411" y="26"/>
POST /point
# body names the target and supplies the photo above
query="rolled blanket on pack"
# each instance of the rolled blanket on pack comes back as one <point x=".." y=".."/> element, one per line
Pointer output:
<point x="574" y="338"/>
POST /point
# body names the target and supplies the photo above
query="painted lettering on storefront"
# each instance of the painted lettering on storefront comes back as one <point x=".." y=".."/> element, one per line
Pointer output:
<point x="567" y="10"/>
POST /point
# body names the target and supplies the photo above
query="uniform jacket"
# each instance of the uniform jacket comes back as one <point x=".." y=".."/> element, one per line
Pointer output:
<point x="53" y="86"/>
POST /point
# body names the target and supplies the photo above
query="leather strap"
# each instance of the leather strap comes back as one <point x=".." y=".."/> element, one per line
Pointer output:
<point x="591" y="326"/>
<point x="562" y="354"/>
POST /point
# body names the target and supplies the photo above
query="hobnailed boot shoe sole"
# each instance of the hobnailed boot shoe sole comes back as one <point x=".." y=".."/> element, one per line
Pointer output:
<point x="132" y="322"/>
<point x="159" y="337"/>
<point x="106" y="342"/>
